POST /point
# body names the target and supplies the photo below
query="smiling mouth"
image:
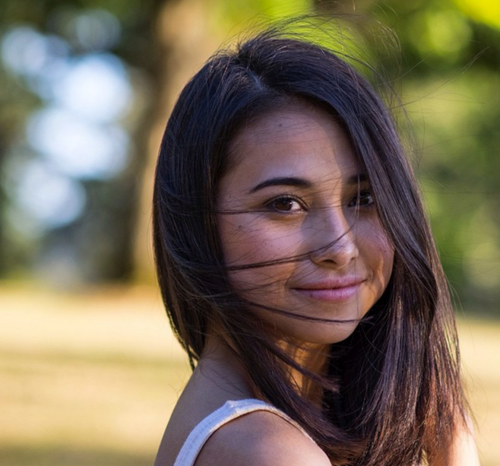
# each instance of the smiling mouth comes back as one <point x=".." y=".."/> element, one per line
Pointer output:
<point x="336" y="292"/>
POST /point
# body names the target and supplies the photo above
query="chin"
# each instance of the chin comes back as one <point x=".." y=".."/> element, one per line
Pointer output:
<point x="312" y="333"/>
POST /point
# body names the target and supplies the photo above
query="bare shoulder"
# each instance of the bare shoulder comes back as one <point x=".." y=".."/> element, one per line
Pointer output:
<point x="261" y="438"/>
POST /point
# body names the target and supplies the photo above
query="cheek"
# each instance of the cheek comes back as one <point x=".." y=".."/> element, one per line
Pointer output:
<point x="377" y="253"/>
<point x="248" y="240"/>
<point x="380" y="257"/>
<point x="387" y="257"/>
<point x="386" y="253"/>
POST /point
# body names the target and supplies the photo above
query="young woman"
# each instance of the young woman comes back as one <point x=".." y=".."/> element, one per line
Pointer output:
<point x="299" y="273"/>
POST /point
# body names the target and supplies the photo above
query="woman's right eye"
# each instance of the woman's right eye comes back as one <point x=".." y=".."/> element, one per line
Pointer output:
<point x="286" y="204"/>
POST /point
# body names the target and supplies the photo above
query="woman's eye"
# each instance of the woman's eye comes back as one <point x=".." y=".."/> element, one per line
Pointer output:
<point x="362" y="199"/>
<point x="285" y="204"/>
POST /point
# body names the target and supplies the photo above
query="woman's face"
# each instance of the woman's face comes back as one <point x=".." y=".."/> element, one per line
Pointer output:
<point x="297" y="198"/>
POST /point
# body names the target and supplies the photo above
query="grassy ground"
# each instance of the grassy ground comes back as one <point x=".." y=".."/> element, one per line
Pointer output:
<point x="91" y="379"/>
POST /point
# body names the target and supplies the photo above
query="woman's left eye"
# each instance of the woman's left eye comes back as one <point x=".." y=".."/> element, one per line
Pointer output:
<point x="362" y="199"/>
<point x="285" y="204"/>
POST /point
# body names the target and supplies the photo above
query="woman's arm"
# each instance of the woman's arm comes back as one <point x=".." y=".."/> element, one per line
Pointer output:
<point x="463" y="450"/>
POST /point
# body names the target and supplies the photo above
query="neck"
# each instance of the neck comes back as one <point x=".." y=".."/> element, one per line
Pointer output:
<point x="221" y="361"/>
<point x="313" y="359"/>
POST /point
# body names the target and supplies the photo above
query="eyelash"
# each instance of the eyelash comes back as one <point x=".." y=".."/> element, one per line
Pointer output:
<point x="272" y="204"/>
<point x="357" y="201"/>
<point x="364" y="194"/>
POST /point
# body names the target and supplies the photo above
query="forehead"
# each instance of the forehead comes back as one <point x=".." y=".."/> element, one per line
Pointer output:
<point x="299" y="139"/>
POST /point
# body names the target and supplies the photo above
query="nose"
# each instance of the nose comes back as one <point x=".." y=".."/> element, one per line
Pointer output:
<point x="333" y="243"/>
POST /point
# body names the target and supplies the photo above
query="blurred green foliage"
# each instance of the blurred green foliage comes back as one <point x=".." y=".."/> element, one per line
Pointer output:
<point x="451" y="53"/>
<point x="98" y="245"/>
<point x="449" y="83"/>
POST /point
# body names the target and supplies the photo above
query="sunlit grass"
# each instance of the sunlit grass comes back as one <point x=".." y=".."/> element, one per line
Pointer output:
<point x="90" y="379"/>
<point x="86" y="379"/>
<point x="480" y="344"/>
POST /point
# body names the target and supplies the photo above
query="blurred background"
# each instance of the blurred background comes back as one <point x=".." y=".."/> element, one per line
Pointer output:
<point x="89" y="371"/>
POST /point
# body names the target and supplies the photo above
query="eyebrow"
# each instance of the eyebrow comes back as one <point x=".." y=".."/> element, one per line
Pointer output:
<point x="358" y="178"/>
<point x="301" y="183"/>
<point x="282" y="181"/>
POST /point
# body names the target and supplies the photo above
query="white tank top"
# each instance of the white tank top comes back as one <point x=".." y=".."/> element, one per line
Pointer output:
<point x="229" y="411"/>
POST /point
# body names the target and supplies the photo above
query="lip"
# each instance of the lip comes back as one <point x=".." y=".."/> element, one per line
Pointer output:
<point x="337" y="290"/>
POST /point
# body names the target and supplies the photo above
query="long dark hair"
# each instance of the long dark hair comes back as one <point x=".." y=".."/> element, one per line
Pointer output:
<point x="393" y="393"/>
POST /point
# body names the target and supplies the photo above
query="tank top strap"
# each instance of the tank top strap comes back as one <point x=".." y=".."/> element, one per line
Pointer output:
<point x="229" y="411"/>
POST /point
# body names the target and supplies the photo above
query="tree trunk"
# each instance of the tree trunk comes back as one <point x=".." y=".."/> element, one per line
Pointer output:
<point x="182" y="36"/>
